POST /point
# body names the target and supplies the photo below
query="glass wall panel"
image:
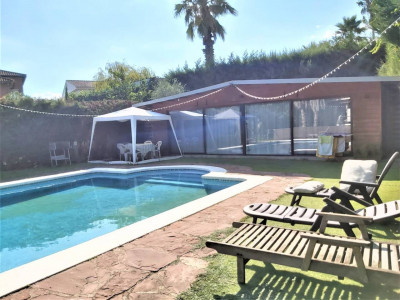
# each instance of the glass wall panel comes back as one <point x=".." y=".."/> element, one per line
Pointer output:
<point x="189" y="130"/>
<point x="312" y="118"/>
<point x="268" y="128"/>
<point x="223" y="130"/>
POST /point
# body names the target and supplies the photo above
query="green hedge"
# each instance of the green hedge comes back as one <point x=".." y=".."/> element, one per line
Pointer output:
<point x="311" y="62"/>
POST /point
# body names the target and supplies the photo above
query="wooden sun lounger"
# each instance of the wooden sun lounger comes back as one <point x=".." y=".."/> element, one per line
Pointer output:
<point x="354" y="186"/>
<point x="361" y="260"/>
<point x="301" y="215"/>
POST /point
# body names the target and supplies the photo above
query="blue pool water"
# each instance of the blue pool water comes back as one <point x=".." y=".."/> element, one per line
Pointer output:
<point x="40" y="219"/>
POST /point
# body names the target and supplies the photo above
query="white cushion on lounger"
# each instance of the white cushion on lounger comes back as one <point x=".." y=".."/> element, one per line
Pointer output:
<point x="309" y="187"/>
<point x="359" y="171"/>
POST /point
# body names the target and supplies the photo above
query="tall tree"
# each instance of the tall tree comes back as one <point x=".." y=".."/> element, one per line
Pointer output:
<point x="366" y="12"/>
<point x="201" y="16"/>
<point x="122" y="81"/>
<point x="383" y="14"/>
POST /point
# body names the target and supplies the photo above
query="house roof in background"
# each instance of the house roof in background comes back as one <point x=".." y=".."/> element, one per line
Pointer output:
<point x="11" y="74"/>
<point x="81" y="84"/>
<point x="6" y="80"/>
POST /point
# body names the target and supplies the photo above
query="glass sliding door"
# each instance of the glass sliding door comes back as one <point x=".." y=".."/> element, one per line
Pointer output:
<point x="268" y="128"/>
<point x="312" y="118"/>
<point x="189" y="130"/>
<point x="223" y="135"/>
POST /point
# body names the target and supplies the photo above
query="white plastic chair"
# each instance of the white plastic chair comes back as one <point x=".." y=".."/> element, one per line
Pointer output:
<point x="128" y="151"/>
<point x="157" y="150"/>
<point x="59" y="151"/>
<point x="122" y="149"/>
<point x="148" y="142"/>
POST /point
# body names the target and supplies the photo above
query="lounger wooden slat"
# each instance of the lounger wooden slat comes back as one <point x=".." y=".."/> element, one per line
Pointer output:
<point x="284" y="236"/>
<point x="236" y="234"/>
<point x="393" y="205"/>
<point x="340" y="254"/>
<point x="298" y="212"/>
<point x="348" y="256"/>
<point x="274" y="239"/>
<point x="332" y="253"/>
<point x="375" y="255"/>
<point x="289" y="240"/>
<point x="380" y="210"/>
<point x="281" y="210"/>
<point x="251" y="239"/>
<point x="394" y="257"/>
<point x="266" y="238"/>
<point x="300" y="247"/>
<point x="294" y="243"/>
<point x="370" y="211"/>
<point x="245" y="236"/>
<point x="367" y="256"/>
<point x="342" y="258"/>
<point x="323" y="252"/>
<point x="309" y="213"/>
<point x="384" y="256"/>
<point x="257" y="240"/>
<point x="272" y="209"/>
<point x="262" y="207"/>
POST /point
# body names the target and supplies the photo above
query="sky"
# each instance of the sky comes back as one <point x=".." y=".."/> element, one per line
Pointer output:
<point x="52" y="41"/>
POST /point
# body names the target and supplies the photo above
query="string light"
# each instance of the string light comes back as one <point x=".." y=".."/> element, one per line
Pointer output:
<point x="45" y="113"/>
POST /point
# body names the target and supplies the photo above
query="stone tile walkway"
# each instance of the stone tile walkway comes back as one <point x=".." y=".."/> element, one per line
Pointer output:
<point x="159" y="265"/>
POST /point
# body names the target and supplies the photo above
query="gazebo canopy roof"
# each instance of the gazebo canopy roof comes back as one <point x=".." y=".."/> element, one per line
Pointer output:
<point x="132" y="113"/>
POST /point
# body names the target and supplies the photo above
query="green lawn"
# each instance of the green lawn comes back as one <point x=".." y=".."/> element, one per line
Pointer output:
<point x="279" y="282"/>
<point x="274" y="281"/>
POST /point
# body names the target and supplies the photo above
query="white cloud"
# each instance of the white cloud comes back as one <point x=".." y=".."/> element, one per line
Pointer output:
<point x="324" y="35"/>
<point x="329" y="33"/>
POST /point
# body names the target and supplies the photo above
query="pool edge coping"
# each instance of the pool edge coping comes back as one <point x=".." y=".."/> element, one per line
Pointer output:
<point x="32" y="272"/>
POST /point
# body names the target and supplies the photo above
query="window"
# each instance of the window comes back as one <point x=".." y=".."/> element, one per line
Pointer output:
<point x="312" y="118"/>
<point x="268" y="128"/>
<point x="223" y="135"/>
<point x="189" y="130"/>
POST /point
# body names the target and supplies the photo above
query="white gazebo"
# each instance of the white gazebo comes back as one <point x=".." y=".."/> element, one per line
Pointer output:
<point x="132" y="115"/>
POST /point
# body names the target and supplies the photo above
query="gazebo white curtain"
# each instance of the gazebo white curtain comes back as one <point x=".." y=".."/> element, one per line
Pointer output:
<point x="132" y="114"/>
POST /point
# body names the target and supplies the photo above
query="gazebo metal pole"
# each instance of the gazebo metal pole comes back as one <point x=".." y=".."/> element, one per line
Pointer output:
<point x="176" y="139"/>
<point x="91" y="138"/>
<point x="133" y="131"/>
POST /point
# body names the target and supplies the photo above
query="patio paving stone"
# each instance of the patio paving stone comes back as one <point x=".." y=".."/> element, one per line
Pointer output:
<point x="148" y="258"/>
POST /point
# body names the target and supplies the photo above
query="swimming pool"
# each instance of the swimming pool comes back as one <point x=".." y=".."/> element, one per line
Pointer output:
<point x="39" y="219"/>
<point x="18" y="277"/>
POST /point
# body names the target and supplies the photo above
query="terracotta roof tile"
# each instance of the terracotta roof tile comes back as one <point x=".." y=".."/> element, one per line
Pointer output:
<point x="8" y="73"/>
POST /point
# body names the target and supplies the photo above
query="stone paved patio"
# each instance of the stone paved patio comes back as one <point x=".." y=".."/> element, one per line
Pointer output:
<point x="159" y="265"/>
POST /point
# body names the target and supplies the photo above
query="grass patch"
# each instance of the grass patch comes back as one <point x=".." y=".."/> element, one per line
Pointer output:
<point x="266" y="281"/>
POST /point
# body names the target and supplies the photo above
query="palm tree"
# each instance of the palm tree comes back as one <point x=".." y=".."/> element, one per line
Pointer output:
<point x="350" y="27"/>
<point x="201" y="16"/>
